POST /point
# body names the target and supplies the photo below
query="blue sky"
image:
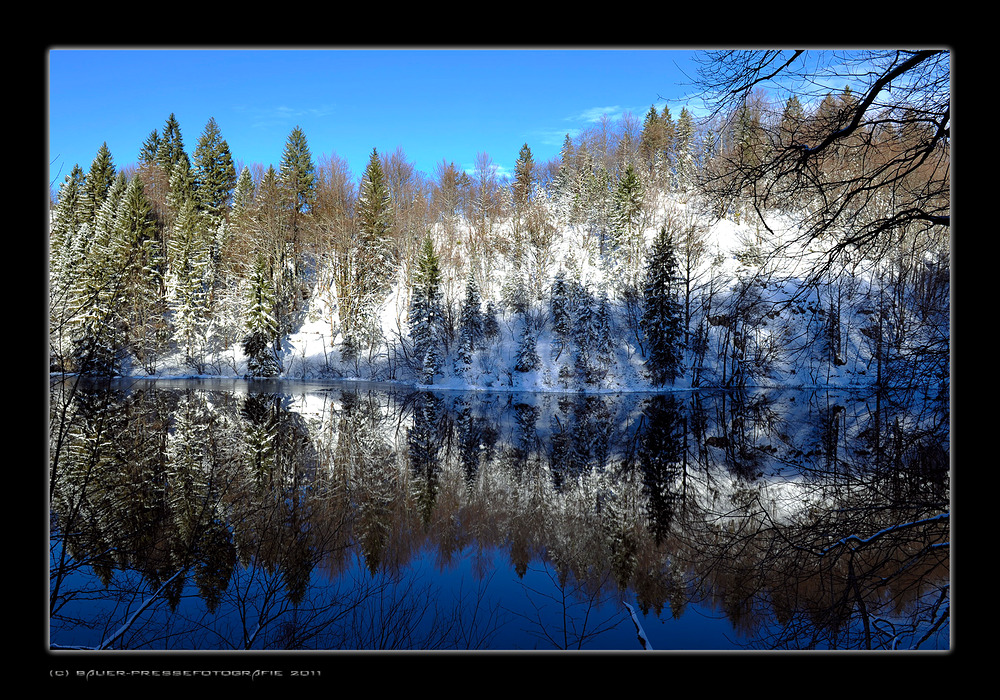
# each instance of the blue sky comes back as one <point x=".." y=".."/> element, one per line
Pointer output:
<point x="434" y="104"/>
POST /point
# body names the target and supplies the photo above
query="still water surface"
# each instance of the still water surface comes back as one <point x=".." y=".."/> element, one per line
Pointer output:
<point x="230" y="515"/>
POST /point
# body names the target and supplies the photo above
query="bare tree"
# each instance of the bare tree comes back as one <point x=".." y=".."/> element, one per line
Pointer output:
<point x="870" y="158"/>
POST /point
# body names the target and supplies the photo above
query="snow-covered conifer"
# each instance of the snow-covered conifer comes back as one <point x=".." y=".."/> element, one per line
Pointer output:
<point x="470" y="325"/>
<point x="213" y="172"/>
<point x="662" y="315"/>
<point x="527" y="350"/>
<point x="261" y="325"/>
<point x="425" y="316"/>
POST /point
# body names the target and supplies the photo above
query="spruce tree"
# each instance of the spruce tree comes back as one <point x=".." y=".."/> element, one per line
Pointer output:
<point x="68" y="214"/>
<point x="171" y="145"/>
<point x="626" y="218"/>
<point x="214" y="173"/>
<point x="99" y="178"/>
<point x="150" y="148"/>
<point x="373" y="254"/>
<point x="470" y="325"/>
<point x="140" y="246"/>
<point x="684" y="150"/>
<point x="527" y="350"/>
<point x="559" y="306"/>
<point x="190" y="284"/>
<point x="95" y="292"/>
<point x="298" y="173"/>
<point x="261" y="325"/>
<point x="662" y="315"/>
<point x="67" y="241"/>
<point x="524" y="177"/>
<point x="425" y="315"/>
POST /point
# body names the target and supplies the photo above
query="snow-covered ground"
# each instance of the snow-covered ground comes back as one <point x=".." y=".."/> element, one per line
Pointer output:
<point x="783" y="348"/>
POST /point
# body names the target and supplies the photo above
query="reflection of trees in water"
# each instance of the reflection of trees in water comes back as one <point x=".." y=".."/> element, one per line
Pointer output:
<point x="806" y="519"/>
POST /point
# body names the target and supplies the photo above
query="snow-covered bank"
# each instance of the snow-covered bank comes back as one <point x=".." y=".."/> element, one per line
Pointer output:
<point x="752" y="322"/>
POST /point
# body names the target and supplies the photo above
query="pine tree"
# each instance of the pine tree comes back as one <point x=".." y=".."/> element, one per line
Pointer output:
<point x="425" y="315"/>
<point x="627" y="215"/>
<point x="214" y="173"/>
<point x="96" y="290"/>
<point x="491" y="324"/>
<point x="190" y="284"/>
<point x="261" y="325"/>
<point x="524" y="177"/>
<point x="559" y="306"/>
<point x="470" y="325"/>
<point x="99" y="178"/>
<point x="171" y="145"/>
<point x="298" y="173"/>
<point x="372" y="259"/>
<point x="68" y="215"/>
<point x="662" y="316"/>
<point x="182" y="185"/>
<point x="527" y="350"/>
<point x="241" y="213"/>
<point x="67" y="242"/>
<point x="603" y="338"/>
<point x="140" y="245"/>
<point x="243" y="194"/>
<point x="150" y="148"/>
<point x="792" y="119"/>
<point x="685" y="150"/>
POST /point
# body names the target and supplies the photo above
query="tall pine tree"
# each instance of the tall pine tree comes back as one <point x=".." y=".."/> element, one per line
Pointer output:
<point x="261" y="325"/>
<point x="214" y="173"/>
<point x="372" y="259"/>
<point x="662" y="315"/>
<point x="470" y="325"/>
<point x="426" y="309"/>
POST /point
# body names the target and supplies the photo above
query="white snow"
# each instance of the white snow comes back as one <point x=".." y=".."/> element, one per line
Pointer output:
<point x="312" y="352"/>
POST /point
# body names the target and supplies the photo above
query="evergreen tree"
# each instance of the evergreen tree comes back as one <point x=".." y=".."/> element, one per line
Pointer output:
<point x="95" y="292"/>
<point x="684" y="150"/>
<point x="425" y="315"/>
<point x="792" y="119"/>
<point x="298" y="173"/>
<point x="140" y="245"/>
<point x="67" y="245"/>
<point x="566" y="177"/>
<point x="150" y="149"/>
<point x="559" y="305"/>
<point x="662" y="315"/>
<point x="190" y="285"/>
<point x="98" y="181"/>
<point x="243" y="194"/>
<point x="527" y="350"/>
<point x="491" y="324"/>
<point x="603" y="339"/>
<point x="171" y="145"/>
<point x="668" y="141"/>
<point x="182" y="185"/>
<point x="68" y="215"/>
<point x="372" y="259"/>
<point x="261" y="325"/>
<point x="652" y="146"/>
<point x="524" y="177"/>
<point x="470" y="325"/>
<point x="627" y="216"/>
<point x="241" y="214"/>
<point x="213" y="173"/>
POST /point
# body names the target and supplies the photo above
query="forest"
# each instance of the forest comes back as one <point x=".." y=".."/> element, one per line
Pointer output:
<point x="783" y="238"/>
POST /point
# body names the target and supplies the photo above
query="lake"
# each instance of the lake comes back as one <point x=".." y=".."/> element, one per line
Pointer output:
<point x="231" y="515"/>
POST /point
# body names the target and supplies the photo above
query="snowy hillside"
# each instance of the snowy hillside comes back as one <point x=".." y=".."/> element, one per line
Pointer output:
<point x="752" y="322"/>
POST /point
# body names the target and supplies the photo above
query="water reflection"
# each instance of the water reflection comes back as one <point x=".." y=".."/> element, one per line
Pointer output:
<point x="270" y="516"/>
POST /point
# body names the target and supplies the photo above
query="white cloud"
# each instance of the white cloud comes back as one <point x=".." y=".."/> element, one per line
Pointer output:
<point x="594" y="114"/>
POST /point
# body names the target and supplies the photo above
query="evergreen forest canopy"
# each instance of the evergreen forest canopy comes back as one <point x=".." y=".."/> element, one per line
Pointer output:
<point x="604" y="268"/>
